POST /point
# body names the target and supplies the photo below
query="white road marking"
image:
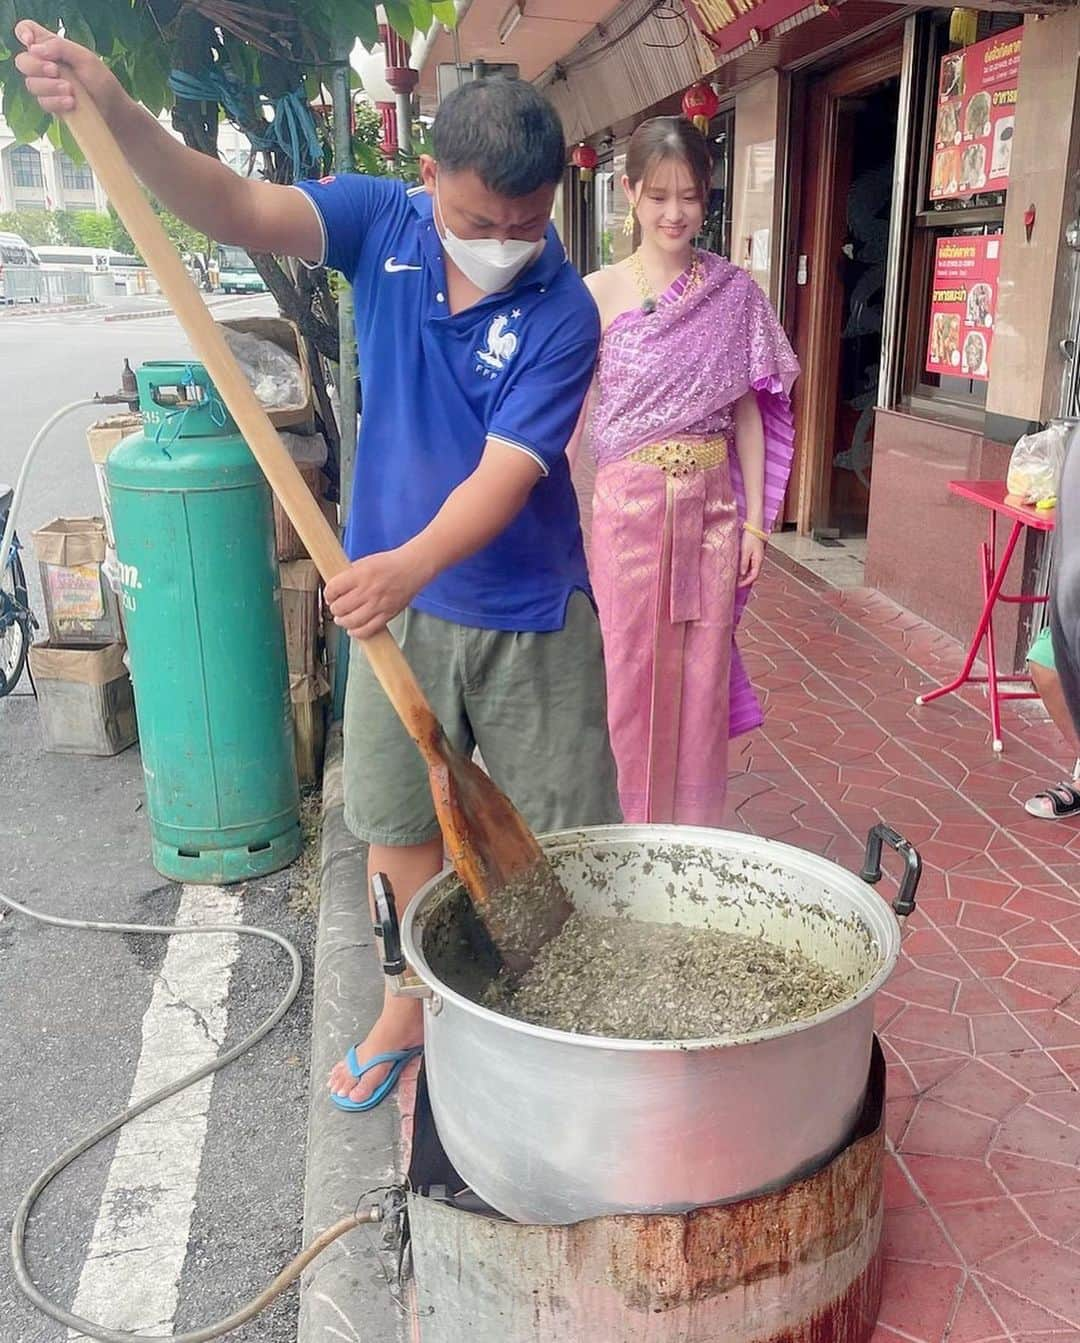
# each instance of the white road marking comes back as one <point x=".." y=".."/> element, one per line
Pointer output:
<point x="131" y="1278"/>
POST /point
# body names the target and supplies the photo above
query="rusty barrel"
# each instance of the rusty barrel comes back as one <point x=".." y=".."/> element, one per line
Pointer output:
<point x="800" y="1264"/>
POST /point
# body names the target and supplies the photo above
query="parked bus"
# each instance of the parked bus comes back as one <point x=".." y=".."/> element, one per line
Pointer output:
<point x="94" y="260"/>
<point x="237" y="273"/>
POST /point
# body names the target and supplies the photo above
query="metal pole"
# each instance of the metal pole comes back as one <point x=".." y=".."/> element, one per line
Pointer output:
<point x="404" y="120"/>
<point x="347" y="361"/>
<point x="900" y="214"/>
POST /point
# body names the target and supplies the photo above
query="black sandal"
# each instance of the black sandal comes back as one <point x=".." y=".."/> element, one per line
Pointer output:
<point x="1056" y="803"/>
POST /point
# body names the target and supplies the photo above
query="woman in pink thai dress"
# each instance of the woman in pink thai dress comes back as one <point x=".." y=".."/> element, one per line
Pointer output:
<point x="689" y="428"/>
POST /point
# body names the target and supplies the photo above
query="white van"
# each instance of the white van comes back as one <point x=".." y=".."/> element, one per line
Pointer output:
<point x="16" y="258"/>
<point x="93" y="260"/>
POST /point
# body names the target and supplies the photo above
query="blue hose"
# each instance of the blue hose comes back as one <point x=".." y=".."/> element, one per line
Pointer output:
<point x="291" y="130"/>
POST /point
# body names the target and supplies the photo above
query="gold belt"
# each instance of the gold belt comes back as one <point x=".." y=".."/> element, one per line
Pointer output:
<point x="683" y="457"/>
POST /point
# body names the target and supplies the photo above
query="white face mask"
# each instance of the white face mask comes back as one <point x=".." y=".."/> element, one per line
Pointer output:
<point x="491" y="265"/>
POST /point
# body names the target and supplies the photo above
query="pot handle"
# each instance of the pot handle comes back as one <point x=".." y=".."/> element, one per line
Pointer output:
<point x="387" y="927"/>
<point x="882" y="834"/>
<point x="388" y="931"/>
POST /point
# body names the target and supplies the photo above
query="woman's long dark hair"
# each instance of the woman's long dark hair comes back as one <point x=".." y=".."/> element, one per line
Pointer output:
<point x="663" y="139"/>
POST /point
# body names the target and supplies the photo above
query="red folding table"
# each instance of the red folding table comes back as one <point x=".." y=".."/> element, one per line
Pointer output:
<point x="990" y="494"/>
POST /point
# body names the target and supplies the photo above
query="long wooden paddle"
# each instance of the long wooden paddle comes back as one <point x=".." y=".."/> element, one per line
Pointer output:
<point x="505" y="871"/>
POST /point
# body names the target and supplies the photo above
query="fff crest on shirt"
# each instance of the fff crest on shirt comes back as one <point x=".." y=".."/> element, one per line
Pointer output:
<point x="500" y="345"/>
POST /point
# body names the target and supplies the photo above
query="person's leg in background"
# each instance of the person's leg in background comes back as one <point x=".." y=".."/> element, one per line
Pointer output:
<point x="1063" y="799"/>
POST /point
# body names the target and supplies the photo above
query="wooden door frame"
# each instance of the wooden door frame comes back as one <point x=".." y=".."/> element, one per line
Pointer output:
<point x="818" y="305"/>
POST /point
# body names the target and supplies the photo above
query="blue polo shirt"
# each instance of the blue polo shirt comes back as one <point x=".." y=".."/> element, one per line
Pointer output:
<point x="515" y="366"/>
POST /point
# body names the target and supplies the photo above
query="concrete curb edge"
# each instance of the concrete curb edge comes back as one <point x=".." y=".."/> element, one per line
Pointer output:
<point x="345" y="1293"/>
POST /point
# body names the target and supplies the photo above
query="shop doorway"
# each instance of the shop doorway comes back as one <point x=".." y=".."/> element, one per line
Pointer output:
<point x="842" y="240"/>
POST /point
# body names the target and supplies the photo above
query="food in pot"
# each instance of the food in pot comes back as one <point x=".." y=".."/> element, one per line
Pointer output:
<point x="624" y="979"/>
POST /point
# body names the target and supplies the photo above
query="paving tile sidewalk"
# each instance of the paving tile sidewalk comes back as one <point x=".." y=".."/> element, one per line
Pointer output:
<point x="981" y="1022"/>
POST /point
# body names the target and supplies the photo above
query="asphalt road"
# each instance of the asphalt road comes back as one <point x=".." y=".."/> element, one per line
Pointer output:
<point x="49" y="360"/>
<point x="74" y="1005"/>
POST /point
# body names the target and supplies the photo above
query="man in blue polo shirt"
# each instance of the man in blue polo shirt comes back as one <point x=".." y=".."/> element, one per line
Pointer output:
<point x="477" y="345"/>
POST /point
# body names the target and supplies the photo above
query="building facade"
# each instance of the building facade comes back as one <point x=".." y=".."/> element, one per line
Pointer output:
<point x="902" y="185"/>
<point x="39" y="176"/>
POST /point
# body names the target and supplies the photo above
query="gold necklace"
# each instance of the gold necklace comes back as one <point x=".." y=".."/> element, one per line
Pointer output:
<point x="649" y="301"/>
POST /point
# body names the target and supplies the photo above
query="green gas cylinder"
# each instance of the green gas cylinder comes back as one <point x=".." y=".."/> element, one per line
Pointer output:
<point x="193" y="521"/>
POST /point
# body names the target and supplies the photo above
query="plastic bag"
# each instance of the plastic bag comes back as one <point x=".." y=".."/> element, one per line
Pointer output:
<point x="305" y="449"/>
<point x="1035" y="466"/>
<point x="273" y="373"/>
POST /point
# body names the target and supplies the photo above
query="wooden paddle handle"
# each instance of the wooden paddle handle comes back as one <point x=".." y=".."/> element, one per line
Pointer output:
<point x="98" y="144"/>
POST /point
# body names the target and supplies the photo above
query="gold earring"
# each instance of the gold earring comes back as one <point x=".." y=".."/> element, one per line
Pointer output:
<point x="628" y="224"/>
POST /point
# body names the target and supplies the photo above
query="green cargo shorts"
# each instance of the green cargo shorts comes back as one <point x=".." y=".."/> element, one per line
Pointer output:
<point x="534" y="705"/>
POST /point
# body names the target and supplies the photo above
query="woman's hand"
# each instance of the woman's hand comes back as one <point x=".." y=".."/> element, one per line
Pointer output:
<point x="750" y="560"/>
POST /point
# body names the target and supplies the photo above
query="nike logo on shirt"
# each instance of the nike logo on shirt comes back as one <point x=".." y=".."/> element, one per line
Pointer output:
<point x="392" y="266"/>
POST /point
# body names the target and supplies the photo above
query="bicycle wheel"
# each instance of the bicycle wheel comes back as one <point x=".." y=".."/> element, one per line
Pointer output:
<point x="14" y="622"/>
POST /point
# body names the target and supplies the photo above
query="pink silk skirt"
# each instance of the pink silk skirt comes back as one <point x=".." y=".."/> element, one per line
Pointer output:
<point x="664" y="564"/>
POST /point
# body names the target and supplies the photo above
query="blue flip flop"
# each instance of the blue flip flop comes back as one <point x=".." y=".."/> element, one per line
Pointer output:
<point x="398" y="1057"/>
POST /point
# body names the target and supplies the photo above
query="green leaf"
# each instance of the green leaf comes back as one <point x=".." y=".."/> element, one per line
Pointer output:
<point x="76" y="27"/>
<point x="446" y="12"/>
<point x="421" y="13"/>
<point x="243" y="61"/>
<point x="400" y="18"/>
<point x="9" y="17"/>
<point x="63" y="140"/>
<point x="131" y="26"/>
<point x="23" y="115"/>
<point x="150" y="79"/>
<point x="68" y="143"/>
<point x="359" y="21"/>
<point x="322" y="16"/>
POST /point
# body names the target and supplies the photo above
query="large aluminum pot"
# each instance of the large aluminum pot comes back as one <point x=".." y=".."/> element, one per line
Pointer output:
<point x="550" y="1127"/>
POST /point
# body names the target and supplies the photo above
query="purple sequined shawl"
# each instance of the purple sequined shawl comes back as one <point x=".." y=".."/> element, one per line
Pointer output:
<point x="679" y="371"/>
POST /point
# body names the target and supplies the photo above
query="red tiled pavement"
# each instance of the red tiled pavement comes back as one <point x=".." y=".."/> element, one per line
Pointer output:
<point x="981" y="1022"/>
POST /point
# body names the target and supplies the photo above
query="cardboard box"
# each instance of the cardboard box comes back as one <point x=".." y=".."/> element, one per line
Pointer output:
<point x="287" y="543"/>
<point x="309" y="695"/>
<point x="101" y="438"/>
<point x="309" y="453"/>
<point x="301" y="602"/>
<point x="80" y="605"/>
<point x="85" y="699"/>
<point x="286" y="335"/>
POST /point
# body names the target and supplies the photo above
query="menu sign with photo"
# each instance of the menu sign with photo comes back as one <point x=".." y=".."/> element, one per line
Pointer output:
<point x="976" y="115"/>
<point x="962" y="307"/>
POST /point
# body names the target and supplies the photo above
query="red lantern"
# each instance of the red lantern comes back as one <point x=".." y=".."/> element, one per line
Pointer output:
<point x="587" y="160"/>
<point x="700" y="104"/>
